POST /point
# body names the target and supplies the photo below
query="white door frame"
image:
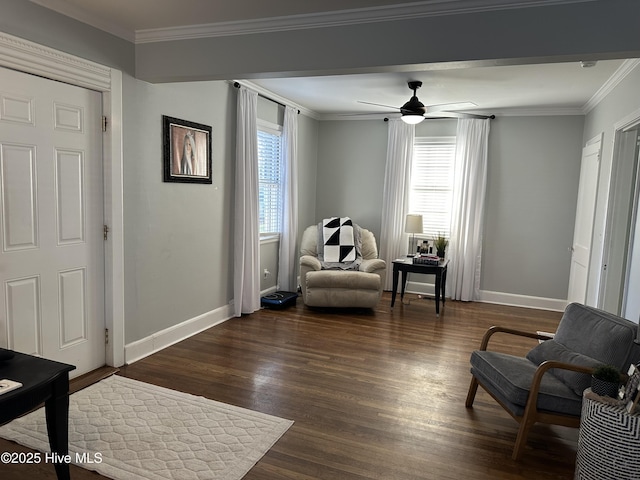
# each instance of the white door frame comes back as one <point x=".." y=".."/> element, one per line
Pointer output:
<point x="629" y="121"/>
<point x="33" y="58"/>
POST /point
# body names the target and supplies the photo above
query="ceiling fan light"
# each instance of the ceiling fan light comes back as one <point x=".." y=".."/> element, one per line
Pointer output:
<point x="412" y="119"/>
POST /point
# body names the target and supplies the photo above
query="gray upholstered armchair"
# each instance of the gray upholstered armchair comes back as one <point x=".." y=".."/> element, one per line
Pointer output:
<point x="546" y="386"/>
<point x="341" y="288"/>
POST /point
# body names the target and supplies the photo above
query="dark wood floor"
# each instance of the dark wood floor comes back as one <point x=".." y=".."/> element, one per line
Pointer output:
<point x="374" y="394"/>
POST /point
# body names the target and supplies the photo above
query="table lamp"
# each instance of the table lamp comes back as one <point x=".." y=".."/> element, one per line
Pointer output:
<point x="413" y="225"/>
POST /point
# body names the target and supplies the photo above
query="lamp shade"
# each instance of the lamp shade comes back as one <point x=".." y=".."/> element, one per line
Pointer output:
<point x="413" y="223"/>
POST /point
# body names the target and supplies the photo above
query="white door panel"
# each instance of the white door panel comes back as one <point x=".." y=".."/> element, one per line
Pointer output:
<point x="51" y="202"/>
<point x="19" y="212"/>
<point x="583" y="230"/>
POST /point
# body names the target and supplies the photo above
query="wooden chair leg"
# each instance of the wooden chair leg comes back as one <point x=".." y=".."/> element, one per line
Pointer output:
<point x="521" y="439"/>
<point x="473" y="388"/>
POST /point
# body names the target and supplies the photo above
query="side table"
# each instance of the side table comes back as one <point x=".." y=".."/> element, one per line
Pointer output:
<point x="42" y="381"/>
<point x="608" y="441"/>
<point x="406" y="266"/>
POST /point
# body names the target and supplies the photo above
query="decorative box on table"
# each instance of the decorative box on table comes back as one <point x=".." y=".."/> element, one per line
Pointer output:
<point x="426" y="259"/>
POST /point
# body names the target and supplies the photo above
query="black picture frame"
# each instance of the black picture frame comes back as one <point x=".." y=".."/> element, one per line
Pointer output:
<point x="186" y="151"/>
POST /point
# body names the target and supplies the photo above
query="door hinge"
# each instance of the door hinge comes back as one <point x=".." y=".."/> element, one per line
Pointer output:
<point x="106" y="336"/>
<point x="104" y="123"/>
<point x="105" y="231"/>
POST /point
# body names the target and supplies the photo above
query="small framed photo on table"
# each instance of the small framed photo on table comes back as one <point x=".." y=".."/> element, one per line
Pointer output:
<point x="186" y="151"/>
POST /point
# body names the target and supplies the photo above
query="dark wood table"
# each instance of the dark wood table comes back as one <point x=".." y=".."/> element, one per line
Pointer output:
<point x="42" y="381"/>
<point x="407" y="266"/>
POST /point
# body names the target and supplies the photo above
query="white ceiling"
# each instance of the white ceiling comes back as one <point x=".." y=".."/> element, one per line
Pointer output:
<point x="135" y="15"/>
<point x="523" y="89"/>
<point x="558" y="88"/>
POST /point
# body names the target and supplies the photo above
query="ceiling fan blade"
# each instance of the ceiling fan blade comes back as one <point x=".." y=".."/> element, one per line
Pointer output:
<point x="440" y="107"/>
<point x="366" y="114"/>
<point x="444" y="114"/>
<point x="379" y="105"/>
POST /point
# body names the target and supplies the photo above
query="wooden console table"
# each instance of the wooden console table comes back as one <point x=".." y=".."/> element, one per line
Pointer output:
<point x="407" y="266"/>
<point x="42" y="381"/>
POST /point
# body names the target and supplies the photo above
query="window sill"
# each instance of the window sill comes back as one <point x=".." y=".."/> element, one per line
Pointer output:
<point x="269" y="238"/>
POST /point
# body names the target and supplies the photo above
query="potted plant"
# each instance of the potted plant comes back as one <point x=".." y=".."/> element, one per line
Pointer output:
<point x="605" y="381"/>
<point x="440" y="242"/>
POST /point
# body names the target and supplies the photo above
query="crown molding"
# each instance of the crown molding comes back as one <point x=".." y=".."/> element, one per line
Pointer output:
<point x="384" y="13"/>
<point x="404" y="11"/>
<point x="625" y="69"/>
<point x="535" y="111"/>
<point x="36" y="59"/>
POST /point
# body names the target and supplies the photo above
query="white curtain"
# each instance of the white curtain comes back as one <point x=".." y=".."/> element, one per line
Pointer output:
<point x="470" y="178"/>
<point x="395" y="199"/>
<point x="246" y="260"/>
<point x="287" y="263"/>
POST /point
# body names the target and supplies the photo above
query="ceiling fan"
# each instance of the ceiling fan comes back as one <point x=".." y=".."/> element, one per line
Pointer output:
<point x="414" y="111"/>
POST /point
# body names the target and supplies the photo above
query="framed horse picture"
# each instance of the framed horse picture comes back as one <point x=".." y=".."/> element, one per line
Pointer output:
<point x="186" y="148"/>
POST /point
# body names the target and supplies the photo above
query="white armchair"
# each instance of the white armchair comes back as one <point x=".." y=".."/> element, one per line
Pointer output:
<point x="341" y="288"/>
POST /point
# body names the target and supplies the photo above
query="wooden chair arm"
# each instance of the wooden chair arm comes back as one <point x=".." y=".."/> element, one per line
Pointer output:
<point x="544" y="367"/>
<point x="493" y="330"/>
<point x="549" y="364"/>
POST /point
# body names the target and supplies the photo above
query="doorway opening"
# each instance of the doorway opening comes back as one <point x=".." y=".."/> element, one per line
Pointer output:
<point x="622" y="260"/>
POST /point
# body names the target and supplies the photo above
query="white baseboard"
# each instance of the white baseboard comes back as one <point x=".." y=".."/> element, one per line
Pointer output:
<point x="541" y="303"/>
<point x="269" y="291"/>
<point x="500" y="298"/>
<point x="153" y="343"/>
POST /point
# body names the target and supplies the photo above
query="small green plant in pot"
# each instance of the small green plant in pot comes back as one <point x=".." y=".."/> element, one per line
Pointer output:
<point x="440" y="242"/>
<point x="605" y="381"/>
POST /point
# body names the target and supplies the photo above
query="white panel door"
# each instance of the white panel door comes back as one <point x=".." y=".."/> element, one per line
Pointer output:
<point x="51" y="217"/>
<point x="585" y="212"/>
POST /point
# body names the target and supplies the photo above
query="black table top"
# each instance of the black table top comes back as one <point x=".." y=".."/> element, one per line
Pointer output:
<point x="32" y="372"/>
<point x="409" y="261"/>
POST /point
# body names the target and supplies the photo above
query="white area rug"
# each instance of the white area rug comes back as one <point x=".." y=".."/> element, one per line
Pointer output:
<point x="137" y="430"/>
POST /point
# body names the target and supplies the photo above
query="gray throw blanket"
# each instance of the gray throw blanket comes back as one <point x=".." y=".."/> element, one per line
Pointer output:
<point x="347" y="248"/>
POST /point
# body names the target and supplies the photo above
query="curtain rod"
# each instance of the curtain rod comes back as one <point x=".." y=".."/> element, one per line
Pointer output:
<point x="237" y="85"/>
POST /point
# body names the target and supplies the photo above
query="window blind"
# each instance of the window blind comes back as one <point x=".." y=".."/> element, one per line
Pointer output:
<point x="432" y="183"/>
<point x="270" y="181"/>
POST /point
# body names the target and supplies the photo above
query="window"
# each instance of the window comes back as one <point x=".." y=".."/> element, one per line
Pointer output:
<point x="269" y="179"/>
<point x="432" y="183"/>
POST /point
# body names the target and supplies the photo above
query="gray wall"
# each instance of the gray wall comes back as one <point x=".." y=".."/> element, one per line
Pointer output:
<point x="351" y="162"/>
<point x="533" y="173"/>
<point x="532" y="186"/>
<point x="178" y="236"/>
<point x="46" y="27"/>
<point x="568" y="31"/>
